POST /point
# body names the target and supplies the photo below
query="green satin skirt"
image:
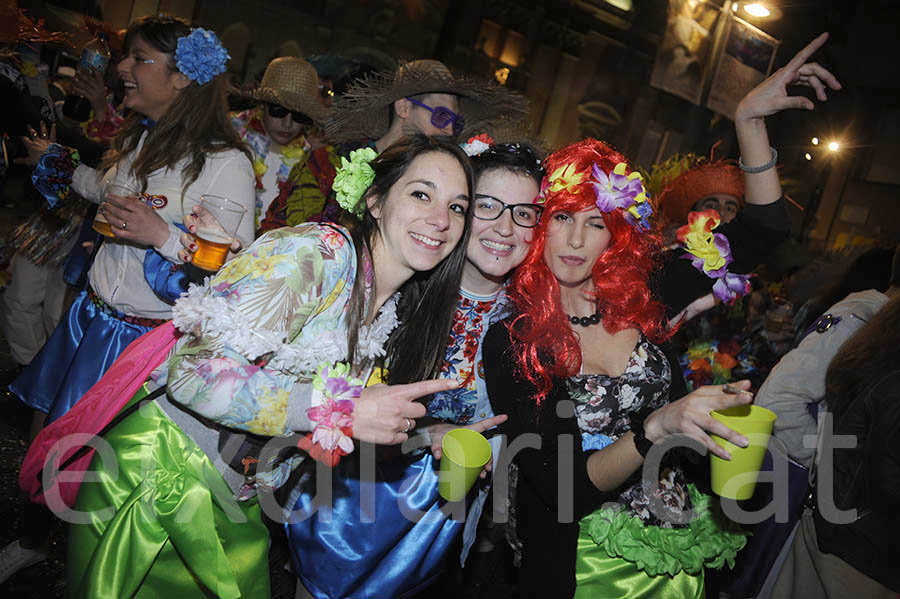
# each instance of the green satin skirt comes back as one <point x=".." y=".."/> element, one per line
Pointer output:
<point x="165" y="525"/>
<point x="599" y="576"/>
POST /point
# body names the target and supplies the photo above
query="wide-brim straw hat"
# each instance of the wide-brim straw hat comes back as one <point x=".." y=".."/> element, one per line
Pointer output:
<point x="293" y="83"/>
<point x="698" y="182"/>
<point x="362" y="112"/>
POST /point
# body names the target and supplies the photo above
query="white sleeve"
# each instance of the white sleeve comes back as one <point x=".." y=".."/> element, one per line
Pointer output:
<point x="233" y="178"/>
<point x="88" y="183"/>
<point x="229" y="175"/>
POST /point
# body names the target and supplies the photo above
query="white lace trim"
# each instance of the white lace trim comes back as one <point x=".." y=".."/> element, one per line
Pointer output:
<point x="199" y="312"/>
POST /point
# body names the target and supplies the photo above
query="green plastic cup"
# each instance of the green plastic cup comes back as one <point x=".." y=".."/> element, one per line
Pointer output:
<point x="736" y="479"/>
<point x="465" y="454"/>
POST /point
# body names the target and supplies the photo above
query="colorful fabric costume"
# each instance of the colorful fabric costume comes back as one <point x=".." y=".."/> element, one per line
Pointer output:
<point x="119" y="305"/>
<point x="640" y="545"/>
<point x="284" y="298"/>
<point x="397" y="544"/>
<point x="301" y="183"/>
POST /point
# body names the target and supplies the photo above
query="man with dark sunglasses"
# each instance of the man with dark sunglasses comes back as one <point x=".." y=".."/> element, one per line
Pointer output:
<point x="290" y="106"/>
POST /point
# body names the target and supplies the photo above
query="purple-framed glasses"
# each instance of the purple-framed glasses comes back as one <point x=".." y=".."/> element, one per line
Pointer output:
<point x="442" y="116"/>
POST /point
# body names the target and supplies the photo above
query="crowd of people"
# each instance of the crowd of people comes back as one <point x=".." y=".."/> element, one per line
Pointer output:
<point x="409" y="263"/>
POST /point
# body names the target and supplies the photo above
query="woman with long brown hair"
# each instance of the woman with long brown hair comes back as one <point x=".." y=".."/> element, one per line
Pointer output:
<point x="176" y="146"/>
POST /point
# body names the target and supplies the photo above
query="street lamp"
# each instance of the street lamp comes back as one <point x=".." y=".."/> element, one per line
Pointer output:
<point x="834" y="146"/>
<point x="757" y="9"/>
<point x="808" y="156"/>
<point x="815" y="141"/>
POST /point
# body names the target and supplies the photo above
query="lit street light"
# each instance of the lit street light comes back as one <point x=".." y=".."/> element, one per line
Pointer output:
<point x="815" y="141"/>
<point x="808" y="156"/>
<point x="757" y="9"/>
<point x="834" y="146"/>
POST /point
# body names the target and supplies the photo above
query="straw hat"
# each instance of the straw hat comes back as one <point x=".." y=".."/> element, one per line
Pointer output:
<point x="293" y="83"/>
<point x="702" y="180"/>
<point x="362" y="112"/>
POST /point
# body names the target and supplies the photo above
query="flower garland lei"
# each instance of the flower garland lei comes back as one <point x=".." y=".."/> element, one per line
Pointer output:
<point x="710" y="253"/>
<point x="249" y="125"/>
<point x="200" y="55"/>
<point x="332" y="437"/>
<point x="353" y="179"/>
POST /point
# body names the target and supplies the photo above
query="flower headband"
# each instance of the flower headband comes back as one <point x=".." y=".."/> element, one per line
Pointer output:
<point x="613" y="190"/>
<point x="200" y="55"/>
<point x="353" y="179"/>
<point x="710" y="253"/>
<point x="476" y="145"/>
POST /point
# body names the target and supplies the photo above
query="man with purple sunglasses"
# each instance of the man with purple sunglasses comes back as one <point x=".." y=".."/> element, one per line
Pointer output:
<point x="422" y="96"/>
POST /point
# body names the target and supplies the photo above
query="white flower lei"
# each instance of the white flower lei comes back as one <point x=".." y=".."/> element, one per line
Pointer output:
<point x="200" y="312"/>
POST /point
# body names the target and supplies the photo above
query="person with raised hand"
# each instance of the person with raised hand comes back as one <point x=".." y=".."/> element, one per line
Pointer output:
<point x="290" y="337"/>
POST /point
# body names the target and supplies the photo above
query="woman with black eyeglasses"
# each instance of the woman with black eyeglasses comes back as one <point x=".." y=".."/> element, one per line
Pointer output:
<point x="390" y="555"/>
<point x="290" y="106"/>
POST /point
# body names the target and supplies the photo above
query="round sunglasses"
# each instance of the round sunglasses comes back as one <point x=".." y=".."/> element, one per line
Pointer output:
<point x="442" y="116"/>
<point x="277" y="111"/>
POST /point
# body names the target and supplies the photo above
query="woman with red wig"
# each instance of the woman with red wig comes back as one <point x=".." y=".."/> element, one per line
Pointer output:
<point x="586" y="329"/>
<point x="580" y="358"/>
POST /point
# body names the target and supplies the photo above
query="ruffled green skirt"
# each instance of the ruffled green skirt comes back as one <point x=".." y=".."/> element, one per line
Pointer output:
<point x="619" y="556"/>
<point x="161" y="522"/>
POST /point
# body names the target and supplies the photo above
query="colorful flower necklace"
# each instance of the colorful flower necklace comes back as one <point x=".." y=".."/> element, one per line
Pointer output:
<point x="250" y="127"/>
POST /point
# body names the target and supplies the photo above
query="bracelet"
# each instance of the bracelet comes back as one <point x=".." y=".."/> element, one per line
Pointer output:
<point x="759" y="169"/>
<point x="641" y="443"/>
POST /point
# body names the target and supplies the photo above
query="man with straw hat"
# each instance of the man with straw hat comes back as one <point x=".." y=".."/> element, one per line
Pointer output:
<point x="289" y="107"/>
<point x="422" y="96"/>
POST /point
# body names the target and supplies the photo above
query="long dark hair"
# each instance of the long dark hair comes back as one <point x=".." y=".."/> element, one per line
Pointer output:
<point x="196" y="124"/>
<point x="864" y="359"/>
<point x="415" y="350"/>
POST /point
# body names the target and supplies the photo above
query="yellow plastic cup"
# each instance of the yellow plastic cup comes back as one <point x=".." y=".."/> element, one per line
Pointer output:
<point x="465" y="453"/>
<point x="736" y="479"/>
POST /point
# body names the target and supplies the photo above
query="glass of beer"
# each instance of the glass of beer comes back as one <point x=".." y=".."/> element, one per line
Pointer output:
<point x="115" y="190"/>
<point x="217" y="225"/>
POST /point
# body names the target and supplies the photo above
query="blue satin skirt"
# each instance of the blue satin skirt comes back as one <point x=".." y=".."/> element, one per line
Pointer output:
<point x="84" y="345"/>
<point x="369" y="544"/>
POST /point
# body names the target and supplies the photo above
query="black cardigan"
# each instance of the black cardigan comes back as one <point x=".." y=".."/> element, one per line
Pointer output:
<point x="547" y="520"/>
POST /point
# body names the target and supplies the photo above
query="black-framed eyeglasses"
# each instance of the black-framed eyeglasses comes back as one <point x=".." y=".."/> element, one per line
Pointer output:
<point x="490" y="208"/>
<point x="441" y="116"/>
<point x="277" y="111"/>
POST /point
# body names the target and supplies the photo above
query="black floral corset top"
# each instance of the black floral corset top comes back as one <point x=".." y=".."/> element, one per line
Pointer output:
<point x="603" y="405"/>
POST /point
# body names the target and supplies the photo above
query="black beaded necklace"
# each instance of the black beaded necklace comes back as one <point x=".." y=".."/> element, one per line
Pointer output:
<point x="586" y="321"/>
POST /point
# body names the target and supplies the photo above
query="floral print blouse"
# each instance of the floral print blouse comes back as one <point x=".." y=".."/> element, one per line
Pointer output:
<point x="261" y="329"/>
<point x="603" y="405"/>
<point x="463" y="362"/>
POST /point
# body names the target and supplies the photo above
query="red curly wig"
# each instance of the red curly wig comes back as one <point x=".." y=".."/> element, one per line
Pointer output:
<point x="545" y="344"/>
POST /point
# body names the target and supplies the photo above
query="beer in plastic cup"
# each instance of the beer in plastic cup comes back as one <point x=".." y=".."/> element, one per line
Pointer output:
<point x="215" y="231"/>
<point x="116" y="190"/>
<point x="465" y="454"/>
<point x="736" y="478"/>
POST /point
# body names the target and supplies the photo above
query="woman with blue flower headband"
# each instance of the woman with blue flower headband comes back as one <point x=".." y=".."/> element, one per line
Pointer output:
<point x="176" y="145"/>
